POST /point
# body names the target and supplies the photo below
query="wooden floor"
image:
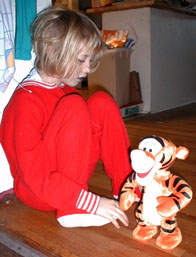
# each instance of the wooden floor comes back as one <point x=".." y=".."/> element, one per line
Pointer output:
<point x="27" y="232"/>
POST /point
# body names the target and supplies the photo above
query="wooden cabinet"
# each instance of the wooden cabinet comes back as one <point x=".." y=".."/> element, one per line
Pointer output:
<point x="70" y="4"/>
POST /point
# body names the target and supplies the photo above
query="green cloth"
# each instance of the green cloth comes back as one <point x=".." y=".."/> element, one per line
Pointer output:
<point x="26" y="12"/>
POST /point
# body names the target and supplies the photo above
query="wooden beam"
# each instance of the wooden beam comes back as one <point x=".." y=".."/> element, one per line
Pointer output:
<point x="133" y="4"/>
<point x="122" y="6"/>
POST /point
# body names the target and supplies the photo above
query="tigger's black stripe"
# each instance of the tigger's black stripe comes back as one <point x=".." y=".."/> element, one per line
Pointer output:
<point x="181" y="187"/>
<point x="157" y="138"/>
<point x="174" y="196"/>
<point x="140" y="203"/>
<point x="167" y="182"/>
<point x="163" y="159"/>
<point x="139" y="211"/>
<point x="128" y="187"/>
<point x="177" y="203"/>
<point x="186" y="195"/>
<point x="132" y="177"/>
<point x="134" y="174"/>
<point x="168" y="230"/>
<point x="139" y="220"/>
<point x="170" y="222"/>
<point x="122" y="192"/>
<point x="176" y="181"/>
<point x="165" y="164"/>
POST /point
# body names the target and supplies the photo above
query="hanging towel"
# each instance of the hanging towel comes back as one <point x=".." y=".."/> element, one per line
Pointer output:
<point x="25" y="14"/>
<point x="7" y="64"/>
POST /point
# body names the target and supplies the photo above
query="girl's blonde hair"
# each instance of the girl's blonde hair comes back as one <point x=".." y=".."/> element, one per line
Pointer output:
<point x="58" y="36"/>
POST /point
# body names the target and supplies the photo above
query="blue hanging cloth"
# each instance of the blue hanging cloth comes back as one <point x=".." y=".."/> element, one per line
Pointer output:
<point x="7" y="63"/>
<point x="25" y="14"/>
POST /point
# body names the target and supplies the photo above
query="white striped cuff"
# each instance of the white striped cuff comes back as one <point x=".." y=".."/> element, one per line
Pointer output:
<point x="88" y="201"/>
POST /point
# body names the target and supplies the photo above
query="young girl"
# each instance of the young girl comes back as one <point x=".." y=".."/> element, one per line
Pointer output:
<point x="53" y="138"/>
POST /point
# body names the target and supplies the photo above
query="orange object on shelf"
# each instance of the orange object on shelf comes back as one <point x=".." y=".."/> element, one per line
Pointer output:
<point x="114" y="38"/>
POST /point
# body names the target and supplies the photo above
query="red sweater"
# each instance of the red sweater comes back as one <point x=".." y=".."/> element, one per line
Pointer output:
<point x="23" y="124"/>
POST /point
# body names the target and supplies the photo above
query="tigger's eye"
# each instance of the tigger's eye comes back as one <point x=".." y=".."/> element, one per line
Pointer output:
<point x="150" y="145"/>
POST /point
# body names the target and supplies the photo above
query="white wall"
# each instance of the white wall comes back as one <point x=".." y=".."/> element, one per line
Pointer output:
<point x="173" y="60"/>
<point x="164" y="54"/>
<point x="22" y="69"/>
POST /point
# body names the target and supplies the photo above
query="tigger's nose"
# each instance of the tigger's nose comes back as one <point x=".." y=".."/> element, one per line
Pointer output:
<point x="142" y="161"/>
<point x="148" y="154"/>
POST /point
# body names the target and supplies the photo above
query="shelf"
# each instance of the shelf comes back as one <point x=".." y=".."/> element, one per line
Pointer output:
<point x="133" y="4"/>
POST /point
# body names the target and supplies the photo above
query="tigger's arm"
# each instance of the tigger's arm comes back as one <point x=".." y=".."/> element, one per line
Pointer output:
<point x="128" y="195"/>
<point x="180" y="197"/>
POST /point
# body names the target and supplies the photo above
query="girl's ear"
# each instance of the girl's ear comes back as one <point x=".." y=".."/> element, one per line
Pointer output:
<point x="182" y="152"/>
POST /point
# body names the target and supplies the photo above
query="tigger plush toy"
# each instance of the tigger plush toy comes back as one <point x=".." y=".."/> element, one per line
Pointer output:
<point x="163" y="194"/>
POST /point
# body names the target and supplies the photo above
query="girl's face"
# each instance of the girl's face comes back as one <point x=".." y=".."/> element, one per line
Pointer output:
<point x="84" y="60"/>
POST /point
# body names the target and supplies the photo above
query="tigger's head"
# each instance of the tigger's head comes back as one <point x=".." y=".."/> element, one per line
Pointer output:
<point x="154" y="153"/>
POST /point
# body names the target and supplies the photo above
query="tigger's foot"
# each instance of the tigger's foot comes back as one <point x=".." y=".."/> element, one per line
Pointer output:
<point x="169" y="241"/>
<point x="144" y="232"/>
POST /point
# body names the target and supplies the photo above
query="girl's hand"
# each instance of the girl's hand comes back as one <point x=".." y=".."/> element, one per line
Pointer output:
<point x="110" y="209"/>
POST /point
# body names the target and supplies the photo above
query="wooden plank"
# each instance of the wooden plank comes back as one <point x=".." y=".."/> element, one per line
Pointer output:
<point x="15" y="248"/>
<point x="122" y="6"/>
<point x="128" y="4"/>
<point x="133" y="4"/>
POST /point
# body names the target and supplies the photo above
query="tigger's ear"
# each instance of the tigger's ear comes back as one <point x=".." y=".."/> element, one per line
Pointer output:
<point x="182" y="152"/>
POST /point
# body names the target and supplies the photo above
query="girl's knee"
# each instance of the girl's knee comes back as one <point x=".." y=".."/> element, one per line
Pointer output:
<point x="74" y="106"/>
<point x="102" y="100"/>
<point x="72" y="102"/>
